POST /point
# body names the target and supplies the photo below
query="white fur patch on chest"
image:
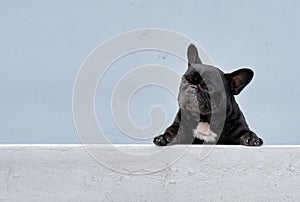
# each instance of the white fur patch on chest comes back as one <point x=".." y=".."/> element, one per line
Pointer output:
<point x="203" y="132"/>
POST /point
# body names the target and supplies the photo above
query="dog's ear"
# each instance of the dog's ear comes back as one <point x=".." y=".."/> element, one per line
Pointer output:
<point x="238" y="79"/>
<point x="192" y="54"/>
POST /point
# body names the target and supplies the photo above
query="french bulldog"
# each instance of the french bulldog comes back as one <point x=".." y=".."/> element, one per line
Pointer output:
<point x="208" y="111"/>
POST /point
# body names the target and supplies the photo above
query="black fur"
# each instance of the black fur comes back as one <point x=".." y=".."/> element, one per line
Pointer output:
<point x="201" y="98"/>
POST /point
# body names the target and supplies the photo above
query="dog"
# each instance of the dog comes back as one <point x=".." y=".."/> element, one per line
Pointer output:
<point x="208" y="111"/>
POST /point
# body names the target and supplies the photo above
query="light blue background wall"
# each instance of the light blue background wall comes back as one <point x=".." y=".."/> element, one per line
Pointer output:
<point x="43" y="44"/>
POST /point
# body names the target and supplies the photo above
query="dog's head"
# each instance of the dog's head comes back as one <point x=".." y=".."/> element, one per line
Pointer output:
<point x="205" y="89"/>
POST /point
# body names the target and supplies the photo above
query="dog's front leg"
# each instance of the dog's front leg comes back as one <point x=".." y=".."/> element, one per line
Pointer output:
<point x="170" y="133"/>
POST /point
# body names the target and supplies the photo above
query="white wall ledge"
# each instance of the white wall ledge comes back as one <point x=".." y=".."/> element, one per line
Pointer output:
<point x="68" y="172"/>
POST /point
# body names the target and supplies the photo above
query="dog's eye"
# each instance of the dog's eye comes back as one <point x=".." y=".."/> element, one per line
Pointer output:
<point x="202" y="83"/>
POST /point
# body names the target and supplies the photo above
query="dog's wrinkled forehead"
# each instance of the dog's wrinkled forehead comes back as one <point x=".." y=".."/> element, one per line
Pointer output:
<point x="211" y="75"/>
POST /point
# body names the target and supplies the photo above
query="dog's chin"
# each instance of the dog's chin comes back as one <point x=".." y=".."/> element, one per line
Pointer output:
<point x="202" y="112"/>
<point x="195" y="109"/>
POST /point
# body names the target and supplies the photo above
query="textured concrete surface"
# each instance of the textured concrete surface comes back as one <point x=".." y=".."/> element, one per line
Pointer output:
<point x="227" y="173"/>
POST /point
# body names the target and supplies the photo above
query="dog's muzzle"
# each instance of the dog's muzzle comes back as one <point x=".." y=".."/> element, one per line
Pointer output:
<point x="190" y="99"/>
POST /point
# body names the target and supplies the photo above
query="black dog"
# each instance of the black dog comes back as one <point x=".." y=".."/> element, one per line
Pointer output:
<point x="208" y="111"/>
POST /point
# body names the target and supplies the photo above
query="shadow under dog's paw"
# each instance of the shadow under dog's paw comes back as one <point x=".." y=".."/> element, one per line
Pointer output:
<point x="251" y="139"/>
<point x="162" y="140"/>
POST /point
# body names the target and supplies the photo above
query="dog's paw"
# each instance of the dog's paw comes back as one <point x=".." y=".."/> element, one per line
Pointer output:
<point x="251" y="139"/>
<point x="162" y="140"/>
